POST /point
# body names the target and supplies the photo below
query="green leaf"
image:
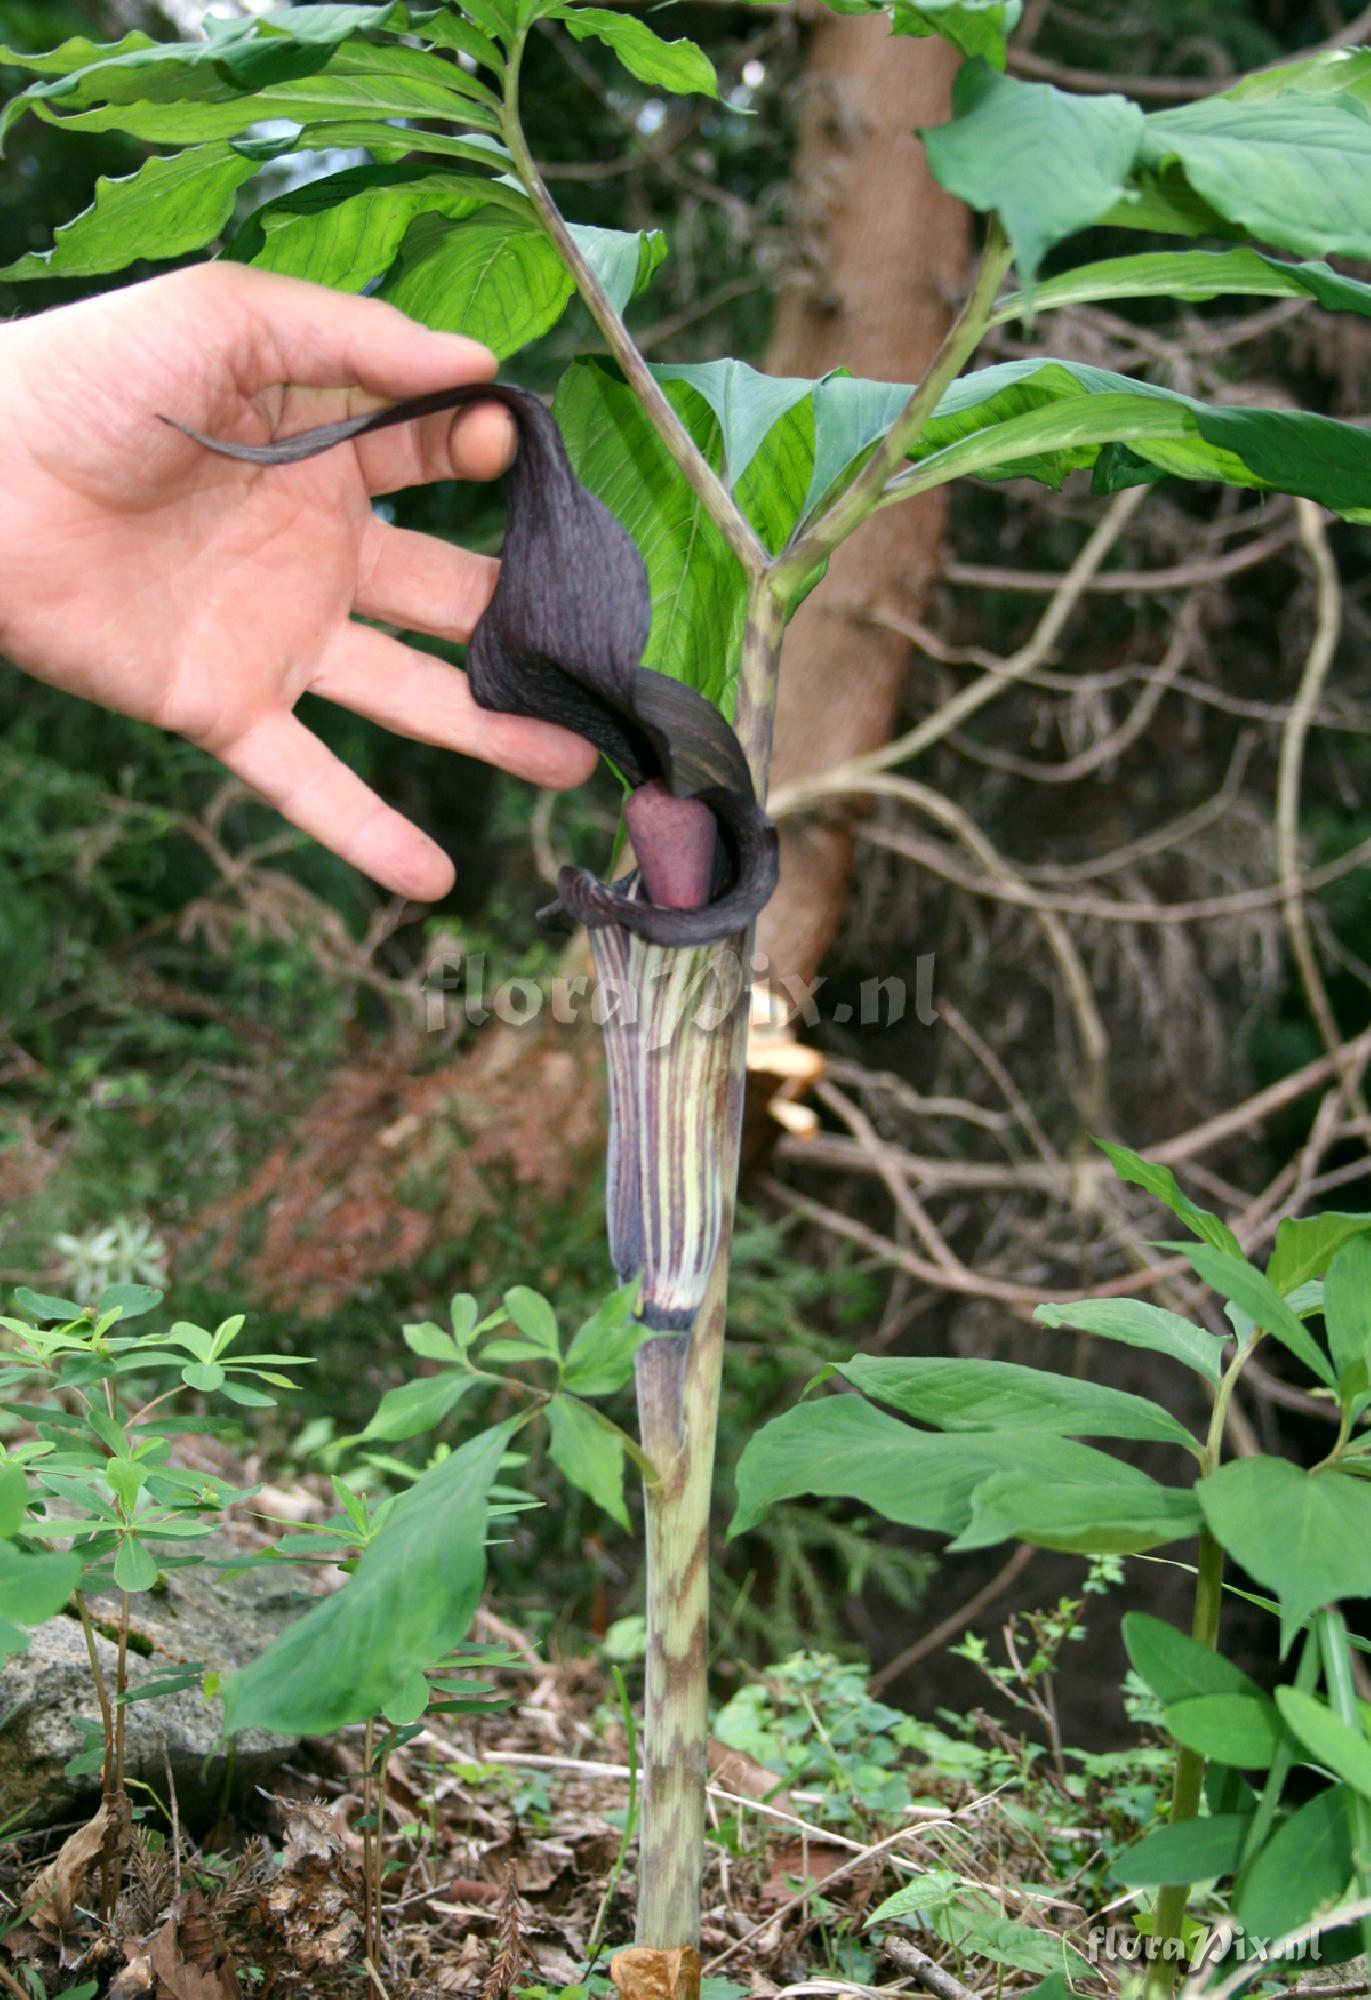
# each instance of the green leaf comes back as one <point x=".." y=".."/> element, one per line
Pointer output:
<point x="358" y="88"/>
<point x="850" y="415"/>
<point x="409" y="1702"/>
<point x="699" y="592"/>
<point x="1333" y="1743"/>
<point x="430" y="1342"/>
<point x="1302" y="1870"/>
<point x="447" y="29"/>
<point x="489" y="278"/>
<point x="35" y="1588"/>
<point x="43" y="1309"/>
<point x="843" y="1446"/>
<point x="1193" y="275"/>
<point x="1244" y="1286"/>
<point x="1335" y="73"/>
<point x="346" y="229"/>
<point x="248" y="1399"/>
<point x="196" y="1340"/>
<point x="135" y="1566"/>
<point x="1194" y="1851"/>
<point x="1243" y="1730"/>
<point x="1117" y="1511"/>
<point x="746" y="403"/>
<point x="1306" y="1247"/>
<point x="971" y="1925"/>
<point x="410" y="1600"/>
<point x="497" y="278"/>
<point x="622" y="259"/>
<point x="679" y="67"/>
<point x="954" y="1395"/>
<point x="1347" y="1304"/>
<point x="1047" y="163"/>
<point x="974" y="27"/>
<point x="237" y="58"/>
<point x="1306" y="1536"/>
<point x="921" y="1897"/>
<point x="1177" y="1667"/>
<point x="589" y="1454"/>
<point x="463" y="1316"/>
<point x="497" y="18"/>
<point x="387" y="144"/>
<point x="1294" y="451"/>
<point x="1138" y="1323"/>
<point x="130" y="1301"/>
<point x="207" y="1376"/>
<point x="1161" y="1183"/>
<point x="78" y="52"/>
<point x="110" y="1431"/>
<point x="14" y="1500"/>
<point x="535" y="1319"/>
<point x="1291" y="171"/>
<point x="1051" y="441"/>
<point x="419" y="1406"/>
<point x="127" y="1478"/>
<point x="169" y="206"/>
<point x="600" y="1357"/>
<point x="970" y="1921"/>
<point x="513" y="1350"/>
<point x="283" y="41"/>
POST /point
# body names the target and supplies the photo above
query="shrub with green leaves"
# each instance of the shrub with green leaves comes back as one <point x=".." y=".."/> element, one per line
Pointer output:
<point x="92" y="1465"/>
<point x="91" y="1496"/>
<point x="987" y="1452"/>
<point x="419" y="1558"/>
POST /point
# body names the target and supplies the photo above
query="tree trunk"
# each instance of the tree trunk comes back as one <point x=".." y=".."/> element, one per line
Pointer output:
<point x="886" y="251"/>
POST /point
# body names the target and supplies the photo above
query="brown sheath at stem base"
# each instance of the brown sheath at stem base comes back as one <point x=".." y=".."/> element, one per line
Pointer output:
<point x="641" y="1973"/>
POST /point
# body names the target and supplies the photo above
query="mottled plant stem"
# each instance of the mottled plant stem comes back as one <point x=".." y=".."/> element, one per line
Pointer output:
<point x="754" y="712"/>
<point x="695" y="468"/>
<point x="678" y="1407"/>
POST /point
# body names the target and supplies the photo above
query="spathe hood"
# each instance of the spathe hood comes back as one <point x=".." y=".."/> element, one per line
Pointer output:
<point x="562" y="641"/>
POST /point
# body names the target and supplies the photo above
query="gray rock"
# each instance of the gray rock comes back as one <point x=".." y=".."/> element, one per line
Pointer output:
<point x="199" y="1614"/>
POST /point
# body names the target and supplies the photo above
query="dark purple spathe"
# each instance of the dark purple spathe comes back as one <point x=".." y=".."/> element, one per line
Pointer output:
<point x="562" y="640"/>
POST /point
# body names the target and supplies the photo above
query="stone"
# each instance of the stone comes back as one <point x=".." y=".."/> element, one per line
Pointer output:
<point x="199" y="1613"/>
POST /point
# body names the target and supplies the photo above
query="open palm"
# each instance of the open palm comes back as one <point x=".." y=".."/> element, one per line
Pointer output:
<point x="207" y="595"/>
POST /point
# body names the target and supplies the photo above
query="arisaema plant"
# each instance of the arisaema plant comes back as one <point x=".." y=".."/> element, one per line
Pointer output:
<point x="665" y="522"/>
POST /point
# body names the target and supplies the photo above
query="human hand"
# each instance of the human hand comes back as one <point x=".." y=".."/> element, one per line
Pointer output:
<point x="207" y="595"/>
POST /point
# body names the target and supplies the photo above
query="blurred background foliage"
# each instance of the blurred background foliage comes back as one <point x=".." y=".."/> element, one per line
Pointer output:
<point x="203" y="1021"/>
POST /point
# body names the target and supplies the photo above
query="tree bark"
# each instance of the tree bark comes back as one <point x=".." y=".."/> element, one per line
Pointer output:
<point x="886" y="254"/>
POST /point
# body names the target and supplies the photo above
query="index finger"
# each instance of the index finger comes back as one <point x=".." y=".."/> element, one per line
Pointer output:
<point x="321" y="339"/>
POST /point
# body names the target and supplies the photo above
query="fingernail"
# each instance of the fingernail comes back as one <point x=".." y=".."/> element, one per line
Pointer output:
<point x="475" y="350"/>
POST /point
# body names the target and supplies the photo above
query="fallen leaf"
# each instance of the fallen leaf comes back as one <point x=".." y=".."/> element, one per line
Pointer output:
<point x="136" y="1981"/>
<point x="800" y="1861"/>
<point x="178" y="1979"/>
<point x="737" y="1772"/>
<point x="641" y="1973"/>
<point x="56" y="1890"/>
